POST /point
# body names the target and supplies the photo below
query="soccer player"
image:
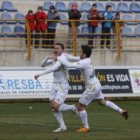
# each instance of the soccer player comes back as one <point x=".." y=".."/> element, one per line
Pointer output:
<point x="93" y="87"/>
<point x="60" y="86"/>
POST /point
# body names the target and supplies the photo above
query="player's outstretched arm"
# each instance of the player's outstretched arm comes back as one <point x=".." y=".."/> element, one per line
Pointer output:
<point x="79" y="65"/>
<point x="72" y="58"/>
<point x="49" y="70"/>
<point x="46" y="62"/>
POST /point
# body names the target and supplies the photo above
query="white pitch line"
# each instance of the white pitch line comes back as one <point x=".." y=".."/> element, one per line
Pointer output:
<point x="43" y="124"/>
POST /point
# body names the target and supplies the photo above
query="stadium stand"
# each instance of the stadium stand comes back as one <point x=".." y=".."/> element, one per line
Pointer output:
<point x="20" y="31"/>
<point x="137" y="31"/>
<point x="85" y="6"/>
<point x="60" y="6"/>
<point x="7" y="31"/>
<point x="20" y="16"/>
<point x="78" y="7"/>
<point x="137" y="18"/>
<point x="7" y="5"/>
<point x="84" y="17"/>
<point x="114" y="8"/>
<point x="127" y="32"/>
<point x="85" y="31"/>
<point x="123" y="7"/>
<point x="7" y="16"/>
<point x="100" y="6"/>
<point x="128" y="17"/>
<point x="63" y="17"/>
<point x="47" y="5"/>
<point x="135" y="7"/>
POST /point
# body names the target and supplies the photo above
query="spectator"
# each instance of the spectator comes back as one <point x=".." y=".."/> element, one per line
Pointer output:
<point x="106" y="27"/>
<point x="40" y="26"/>
<point x="121" y="26"/>
<point x="93" y="14"/>
<point x="52" y="14"/>
<point x="73" y="14"/>
<point x="31" y="19"/>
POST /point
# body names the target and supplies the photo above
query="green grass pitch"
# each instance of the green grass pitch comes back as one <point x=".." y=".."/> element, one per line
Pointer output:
<point x="19" y="122"/>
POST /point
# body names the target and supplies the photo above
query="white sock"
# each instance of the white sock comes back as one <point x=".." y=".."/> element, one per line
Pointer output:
<point x="59" y="118"/>
<point x="65" y="107"/>
<point x="84" y="119"/>
<point x="113" y="106"/>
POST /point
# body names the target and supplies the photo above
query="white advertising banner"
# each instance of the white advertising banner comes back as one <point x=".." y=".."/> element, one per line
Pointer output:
<point x="135" y="80"/>
<point x="22" y="83"/>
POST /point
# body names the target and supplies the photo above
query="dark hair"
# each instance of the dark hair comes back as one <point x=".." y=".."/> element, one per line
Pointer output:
<point x="108" y="6"/>
<point x="86" y="50"/>
<point x="30" y="11"/>
<point x="40" y="8"/>
<point x="52" y="7"/>
<point x="60" y="44"/>
<point x="94" y="5"/>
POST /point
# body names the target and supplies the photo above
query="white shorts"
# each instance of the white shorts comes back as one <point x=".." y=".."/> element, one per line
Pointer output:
<point x="91" y="93"/>
<point x="59" y="92"/>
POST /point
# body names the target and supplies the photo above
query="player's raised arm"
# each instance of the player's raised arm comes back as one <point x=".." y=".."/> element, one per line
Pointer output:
<point x="46" y="62"/>
<point x="72" y="58"/>
<point x="79" y="65"/>
<point x="49" y="70"/>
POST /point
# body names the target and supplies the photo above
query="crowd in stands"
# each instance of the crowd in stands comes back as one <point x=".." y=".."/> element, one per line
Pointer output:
<point x="37" y="22"/>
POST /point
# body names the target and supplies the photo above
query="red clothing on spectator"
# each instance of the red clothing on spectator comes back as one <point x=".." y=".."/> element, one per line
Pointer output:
<point x="96" y="14"/>
<point x="31" y="19"/>
<point x="41" y="24"/>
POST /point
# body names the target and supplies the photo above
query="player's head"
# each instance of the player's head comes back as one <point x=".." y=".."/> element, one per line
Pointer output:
<point x="94" y="6"/>
<point x="74" y="6"/>
<point x="117" y="16"/>
<point x="30" y="12"/>
<point x="85" y="51"/>
<point x="59" y="48"/>
<point x="109" y="8"/>
<point x="52" y="9"/>
<point x="40" y="8"/>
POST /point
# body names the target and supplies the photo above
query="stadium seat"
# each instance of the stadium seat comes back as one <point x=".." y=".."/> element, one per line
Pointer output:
<point x="114" y="0"/>
<point x="98" y="31"/>
<point x="84" y="18"/>
<point x="85" y="6"/>
<point x="19" y="30"/>
<point x="127" y="32"/>
<point x="85" y="32"/>
<point x="137" y="31"/>
<point x="78" y="32"/>
<point x="47" y="5"/>
<point x="1" y="10"/>
<point x="7" y="16"/>
<point x="78" y="7"/>
<point x="20" y="16"/>
<point x="137" y="18"/>
<point x="60" y="6"/>
<point x="127" y="0"/>
<point x="135" y="7"/>
<point x="7" y="31"/>
<point x="100" y="7"/>
<point x="7" y="5"/>
<point x="123" y="7"/>
<point x="114" y="9"/>
<point x="63" y="17"/>
<point x="128" y="17"/>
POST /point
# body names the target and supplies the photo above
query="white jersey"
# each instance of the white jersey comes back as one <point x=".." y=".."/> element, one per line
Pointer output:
<point x="86" y="68"/>
<point x="60" y="71"/>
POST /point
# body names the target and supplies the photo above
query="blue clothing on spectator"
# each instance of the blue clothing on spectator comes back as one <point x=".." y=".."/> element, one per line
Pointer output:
<point x="108" y="16"/>
<point x="52" y="24"/>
